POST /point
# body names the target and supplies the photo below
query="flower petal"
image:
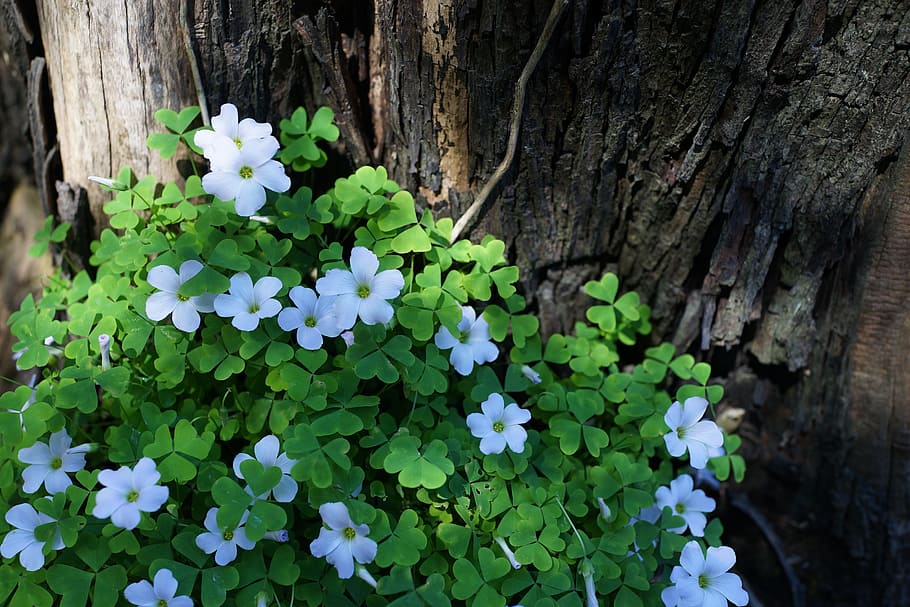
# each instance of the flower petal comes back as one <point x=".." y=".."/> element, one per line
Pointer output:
<point x="268" y="308"/>
<point x="304" y="298"/>
<point x="696" y="522"/>
<point x="309" y="338"/>
<point x="250" y="198"/>
<point x="145" y="473"/>
<point x="225" y="123"/>
<point x="462" y="358"/>
<point x="59" y="442"/>
<point x="185" y="317"/>
<point x="479" y="424"/>
<point x="152" y="498"/>
<point x="256" y="152"/>
<point x="693" y="410"/>
<point x="706" y="432"/>
<point x="387" y="284"/>
<point x="164" y="278"/>
<point x="126" y="516"/>
<point x="375" y="311"/>
<point x="23" y="516"/>
<point x="673" y="416"/>
<point x="515" y="437"/>
<point x="250" y="129"/>
<point x="165" y="584"/>
<point x="493" y="407"/>
<point x="15" y="542"/>
<point x="245" y="321"/>
<point x="483" y="352"/>
<point x="140" y="593"/>
<point x="266" y="287"/>
<point x="271" y="175"/>
<point x="337" y="282"/>
<point x="266" y="450"/>
<point x="719" y="560"/>
<point x="286" y="489"/>
<point x="209" y="542"/>
<point x="225" y="553"/>
<point x="364" y="264"/>
<point x="514" y="415"/>
<point x="31" y="557"/>
<point x="39" y="453"/>
<point x="363" y="549"/>
<point x="239" y="459"/>
<point x="335" y="515"/>
<point x="675" y="446"/>
<point x="347" y="307"/>
<point x="731" y="586"/>
<point x="159" y="305"/>
<point x="229" y="305"/>
<point x="692" y="560"/>
<point x="189" y="269"/>
<point x="445" y="340"/>
<point x="56" y="481"/>
<point x="343" y="560"/>
<point x="494" y="442"/>
<point x="222" y="184"/>
<point x="326" y="543"/>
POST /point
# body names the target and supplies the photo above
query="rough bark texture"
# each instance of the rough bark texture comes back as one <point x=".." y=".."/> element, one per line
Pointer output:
<point x="16" y="37"/>
<point x="740" y="164"/>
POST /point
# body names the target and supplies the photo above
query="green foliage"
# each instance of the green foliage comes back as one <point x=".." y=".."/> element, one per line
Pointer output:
<point x="378" y="425"/>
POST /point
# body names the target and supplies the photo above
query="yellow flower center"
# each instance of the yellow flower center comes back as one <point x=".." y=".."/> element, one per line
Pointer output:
<point x="680" y="508"/>
<point x="363" y="291"/>
<point x="246" y="172"/>
<point x="498" y="426"/>
<point x="253" y="308"/>
<point x="228" y="536"/>
<point x="182" y="297"/>
<point x="238" y="143"/>
<point x="56" y="463"/>
<point x="132" y="496"/>
<point x="349" y="533"/>
<point x="310" y="322"/>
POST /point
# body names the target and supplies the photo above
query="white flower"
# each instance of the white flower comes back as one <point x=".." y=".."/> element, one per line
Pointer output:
<point x="361" y="291"/>
<point x="144" y="594"/>
<point x="49" y="463"/>
<point x="532" y="375"/>
<point x="499" y="426"/>
<point x="227" y="130"/>
<point x="223" y="542"/>
<point x="243" y="174"/>
<point x="127" y="492"/>
<point x="185" y="310"/>
<point x="266" y="451"/>
<point x="472" y="346"/>
<point x="246" y="303"/>
<point x="703" y="580"/>
<point x="687" y="432"/>
<point x="21" y="540"/>
<point x="690" y="505"/>
<point x="312" y="317"/>
<point x="343" y="542"/>
<point x="507" y="551"/>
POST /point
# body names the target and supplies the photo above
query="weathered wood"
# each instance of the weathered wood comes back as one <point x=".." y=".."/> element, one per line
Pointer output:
<point x="111" y="65"/>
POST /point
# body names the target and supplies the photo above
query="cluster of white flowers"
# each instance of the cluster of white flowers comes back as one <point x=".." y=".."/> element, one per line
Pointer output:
<point x="48" y="464"/>
<point x="241" y="157"/>
<point x="344" y="296"/>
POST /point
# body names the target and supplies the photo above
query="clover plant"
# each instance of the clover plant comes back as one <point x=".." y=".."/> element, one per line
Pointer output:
<point x="293" y="397"/>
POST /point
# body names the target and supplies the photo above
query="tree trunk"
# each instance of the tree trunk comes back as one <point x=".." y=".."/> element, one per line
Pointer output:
<point x="740" y="164"/>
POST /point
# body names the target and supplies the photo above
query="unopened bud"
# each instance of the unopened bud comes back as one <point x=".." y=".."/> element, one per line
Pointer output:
<point x="508" y="552"/>
<point x="363" y="574"/>
<point x="348" y="337"/>
<point x="109" y="184"/>
<point x="104" y="341"/>
<point x="532" y="375"/>
<point x="604" y="509"/>
<point x="277" y="536"/>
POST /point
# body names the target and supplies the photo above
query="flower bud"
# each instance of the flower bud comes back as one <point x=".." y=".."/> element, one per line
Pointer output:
<point x="277" y="536"/>
<point x="363" y="574"/>
<point x="605" y="511"/>
<point x="109" y="184"/>
<point x="532" y="375"/>
<point x="508" y="552"/>
<point x="104" y="341"/>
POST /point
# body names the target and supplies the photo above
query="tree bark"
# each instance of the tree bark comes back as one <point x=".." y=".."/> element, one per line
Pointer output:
<point x="740" y="164"/>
